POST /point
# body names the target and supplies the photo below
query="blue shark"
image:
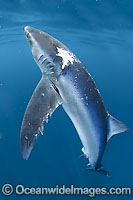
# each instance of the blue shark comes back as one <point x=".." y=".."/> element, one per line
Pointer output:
<point x="65" y="81"/>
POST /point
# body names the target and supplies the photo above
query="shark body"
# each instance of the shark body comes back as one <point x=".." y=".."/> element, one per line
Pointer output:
<point x="65" y="81"/>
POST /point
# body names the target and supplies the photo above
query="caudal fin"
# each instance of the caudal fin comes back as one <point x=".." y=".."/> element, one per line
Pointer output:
<point x="115" y="127"/>
<point x="99" y="170"/>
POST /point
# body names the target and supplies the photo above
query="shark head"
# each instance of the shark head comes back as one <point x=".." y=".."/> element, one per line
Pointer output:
<point x="48" y="52"/>
<point x="44" y="49"/>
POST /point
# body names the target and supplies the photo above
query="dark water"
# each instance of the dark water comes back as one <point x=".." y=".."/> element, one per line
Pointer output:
<point x="100" y="33"/>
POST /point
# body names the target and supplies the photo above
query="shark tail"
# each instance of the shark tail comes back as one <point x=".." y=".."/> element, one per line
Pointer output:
<point x="99" y="170"/>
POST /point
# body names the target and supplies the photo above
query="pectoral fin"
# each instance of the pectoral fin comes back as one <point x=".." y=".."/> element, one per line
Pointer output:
<point x="44" y="101"/>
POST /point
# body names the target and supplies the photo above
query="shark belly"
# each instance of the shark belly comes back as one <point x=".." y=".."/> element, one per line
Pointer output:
<point x="85" y="116"/>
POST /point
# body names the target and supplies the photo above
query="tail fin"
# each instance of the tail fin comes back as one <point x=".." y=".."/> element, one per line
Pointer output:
<point x="114" y="127"/>
<point x="99" y="170"/>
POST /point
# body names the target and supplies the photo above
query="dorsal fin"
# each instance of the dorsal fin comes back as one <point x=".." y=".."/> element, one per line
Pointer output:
<point x="115" y="127"/>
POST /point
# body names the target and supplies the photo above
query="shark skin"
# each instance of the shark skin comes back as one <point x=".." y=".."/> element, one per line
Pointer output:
<point x="65" y="81"/>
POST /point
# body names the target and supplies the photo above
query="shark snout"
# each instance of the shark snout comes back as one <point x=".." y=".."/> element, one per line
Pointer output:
<point x="27" y="30"/>
<point x="32" y="33"/>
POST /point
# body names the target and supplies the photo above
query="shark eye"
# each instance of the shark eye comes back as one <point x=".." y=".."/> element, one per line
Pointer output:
<point x="27" y="35"/>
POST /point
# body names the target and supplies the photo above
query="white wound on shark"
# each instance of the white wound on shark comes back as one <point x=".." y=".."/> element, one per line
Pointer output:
<point x="67" y="57"/>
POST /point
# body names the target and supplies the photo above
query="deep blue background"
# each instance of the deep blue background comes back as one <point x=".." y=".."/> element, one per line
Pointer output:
<point x="100" y="33"/>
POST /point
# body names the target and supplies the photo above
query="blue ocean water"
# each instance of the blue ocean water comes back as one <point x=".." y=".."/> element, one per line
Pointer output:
<point x="100" y="33"/>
